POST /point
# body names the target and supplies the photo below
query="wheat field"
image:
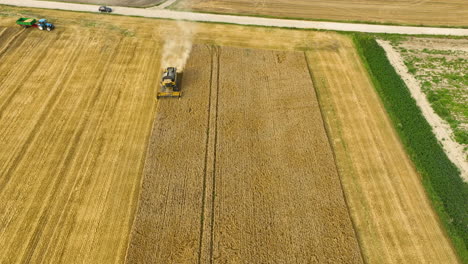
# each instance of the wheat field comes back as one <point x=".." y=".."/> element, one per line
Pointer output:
<point x="93" y="168"/>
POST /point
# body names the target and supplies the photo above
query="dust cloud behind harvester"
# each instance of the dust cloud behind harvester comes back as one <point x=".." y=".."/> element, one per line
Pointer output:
<point x="177" y="46"/>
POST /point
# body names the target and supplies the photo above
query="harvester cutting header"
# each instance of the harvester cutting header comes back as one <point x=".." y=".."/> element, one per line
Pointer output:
<point x="170" y="84"/>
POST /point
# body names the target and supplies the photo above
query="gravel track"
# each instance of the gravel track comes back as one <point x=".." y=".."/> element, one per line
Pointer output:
<point x="244" y="20"/>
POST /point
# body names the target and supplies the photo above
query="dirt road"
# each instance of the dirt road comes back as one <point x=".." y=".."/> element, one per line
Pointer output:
<point x="243" y="20"/>
<point x="441" y="129"/>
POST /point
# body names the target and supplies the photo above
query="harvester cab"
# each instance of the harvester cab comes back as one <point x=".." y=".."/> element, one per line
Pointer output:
<point x="169" y="84"/>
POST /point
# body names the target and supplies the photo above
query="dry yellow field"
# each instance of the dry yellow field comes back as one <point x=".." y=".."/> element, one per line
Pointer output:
<point x="75" y="115"/>
<point x="240" y="170"/>
<point x="231" y="171"/>
<point x="414" y="12"/>
<point x="277" y="196"/>
<point x="167" y="224"/>
<point x="392" y="214"/>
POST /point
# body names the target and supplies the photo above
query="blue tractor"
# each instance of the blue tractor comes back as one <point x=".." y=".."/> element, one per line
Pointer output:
<point x="43" y="25"/>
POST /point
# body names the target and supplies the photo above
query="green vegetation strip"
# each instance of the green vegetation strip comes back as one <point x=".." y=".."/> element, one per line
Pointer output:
<point x="441" y="179"/>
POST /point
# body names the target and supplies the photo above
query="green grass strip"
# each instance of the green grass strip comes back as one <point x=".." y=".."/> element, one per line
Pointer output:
<point x="440" y="177"/>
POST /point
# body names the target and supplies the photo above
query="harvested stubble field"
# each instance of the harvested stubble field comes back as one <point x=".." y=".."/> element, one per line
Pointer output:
<point x="240" y="170"/>
<point x="77" y="107"/>
<point x="75" y="115"/>
<point x="415" y="12"/>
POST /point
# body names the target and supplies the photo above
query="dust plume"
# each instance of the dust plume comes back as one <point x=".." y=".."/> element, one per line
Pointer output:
<point x="177" y="46"/>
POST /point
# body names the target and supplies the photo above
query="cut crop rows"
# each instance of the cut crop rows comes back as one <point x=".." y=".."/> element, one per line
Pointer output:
<point x="76" y="111"/>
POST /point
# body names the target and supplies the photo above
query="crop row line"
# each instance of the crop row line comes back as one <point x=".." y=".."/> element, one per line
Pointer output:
<point x="208" y="162"/>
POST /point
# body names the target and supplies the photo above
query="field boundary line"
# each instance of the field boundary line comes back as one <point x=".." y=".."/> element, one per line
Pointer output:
<point x="213" y="195"/>
<point x="359" y="242"/>
<point x="205" y="168"/>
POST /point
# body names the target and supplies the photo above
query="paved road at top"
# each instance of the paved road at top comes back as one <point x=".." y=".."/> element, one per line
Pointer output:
<point x="244" y="20"/>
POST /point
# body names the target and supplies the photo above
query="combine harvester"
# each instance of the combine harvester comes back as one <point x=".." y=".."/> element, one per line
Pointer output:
<point x="170" y="84"/>
<point x="31" y="22"/>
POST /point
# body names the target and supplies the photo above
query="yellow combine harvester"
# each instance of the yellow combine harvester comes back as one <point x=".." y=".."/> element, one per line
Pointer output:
<point x="169" y="84"/>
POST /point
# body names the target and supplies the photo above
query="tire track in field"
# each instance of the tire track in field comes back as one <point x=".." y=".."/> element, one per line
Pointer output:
<point x="3" y="31"/>
<point x="215" y="148"/>
<point x="10" y="42"/>
<point x="207" y="215"/>
<point x="205" y="169"/>
<point x="18" y="113"/>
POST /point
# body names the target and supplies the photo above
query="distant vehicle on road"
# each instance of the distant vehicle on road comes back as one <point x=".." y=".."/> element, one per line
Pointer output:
<point x="105" y="9"/>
